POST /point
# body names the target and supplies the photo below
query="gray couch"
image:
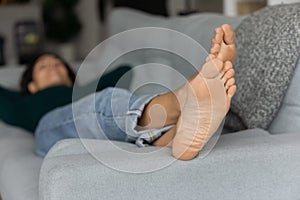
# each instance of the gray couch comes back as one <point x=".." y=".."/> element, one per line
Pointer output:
<point x="251" y="164"/>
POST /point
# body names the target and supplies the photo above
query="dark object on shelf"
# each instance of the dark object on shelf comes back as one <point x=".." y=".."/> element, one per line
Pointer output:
<point x="188" y="9"/>
<point x="4" y="2"/>
<point x="156" y="7"/>
<point x="60" y="20"/>
<point x="185" y="13"/>
<point x="28" y="40"/>
<point x="23" y="1"/>
<point x="2" y="60"/>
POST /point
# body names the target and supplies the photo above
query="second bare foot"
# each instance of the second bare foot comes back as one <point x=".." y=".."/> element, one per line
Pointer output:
<point x="223" y="46"/>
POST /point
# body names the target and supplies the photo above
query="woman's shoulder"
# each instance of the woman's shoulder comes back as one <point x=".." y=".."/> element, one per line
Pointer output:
<point x="7" y="93"/>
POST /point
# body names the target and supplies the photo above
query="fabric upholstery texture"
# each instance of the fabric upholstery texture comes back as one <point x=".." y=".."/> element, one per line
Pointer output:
<point x="247" y="165"/>
<point x="19" y="166"/>
<point x="268" y="45"/>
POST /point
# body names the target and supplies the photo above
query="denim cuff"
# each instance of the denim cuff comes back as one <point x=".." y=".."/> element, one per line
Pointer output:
<point x="142" y="138"/>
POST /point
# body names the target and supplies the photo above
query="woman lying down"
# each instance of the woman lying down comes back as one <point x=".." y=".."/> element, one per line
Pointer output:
<point x="183" y="119"/>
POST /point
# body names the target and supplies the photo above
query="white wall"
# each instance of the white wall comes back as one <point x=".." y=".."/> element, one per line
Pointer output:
<point x="229" y="7"/>
<point x="274" y="2"/>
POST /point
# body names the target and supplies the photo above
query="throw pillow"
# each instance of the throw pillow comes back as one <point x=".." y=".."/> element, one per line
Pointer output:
<point x="268" y="45"/>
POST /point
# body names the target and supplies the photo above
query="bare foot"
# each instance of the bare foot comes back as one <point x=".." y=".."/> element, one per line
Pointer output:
<point x="204" y="102"/>
<point x="223" y="46"/>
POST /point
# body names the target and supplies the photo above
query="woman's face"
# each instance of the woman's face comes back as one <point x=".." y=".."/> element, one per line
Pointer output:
<point x="47" y="72"/>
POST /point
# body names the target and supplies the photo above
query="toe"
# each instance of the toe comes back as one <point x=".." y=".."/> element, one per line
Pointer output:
<point x="231" y="91"/>
<point x="227" y="66"/>
<point x="218" y="35"/>
<point x="230" y="82"/>
<point x="213" y="41"/>
<point x="215" y="49"/>
<point x="228" y="74"/>
<point x="229" y="35"/>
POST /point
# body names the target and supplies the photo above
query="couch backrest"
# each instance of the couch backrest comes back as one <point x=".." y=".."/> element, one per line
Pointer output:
<point x="199" y="27"/>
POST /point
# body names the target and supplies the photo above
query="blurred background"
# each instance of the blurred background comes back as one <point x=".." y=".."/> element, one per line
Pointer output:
<point x="72" y="28"/>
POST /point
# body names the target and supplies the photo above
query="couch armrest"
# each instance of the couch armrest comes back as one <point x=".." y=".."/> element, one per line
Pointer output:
<point x="250" y="164"/>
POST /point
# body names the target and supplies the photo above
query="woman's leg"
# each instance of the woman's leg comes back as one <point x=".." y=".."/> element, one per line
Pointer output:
<point x="161" y="111"/>
<point x="89" y="117"/>
<point x="109" y="114"/>
<point x="199" y="113"/>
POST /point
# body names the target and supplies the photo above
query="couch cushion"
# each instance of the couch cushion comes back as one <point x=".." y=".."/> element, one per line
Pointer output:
<point x="19" y="166"/>
<point x="268" y="45"/>
<point x="247" y="165"/>
<point x="288" y="117"/>
<point x="199" y="26"/>
<point x="10" y="76"/>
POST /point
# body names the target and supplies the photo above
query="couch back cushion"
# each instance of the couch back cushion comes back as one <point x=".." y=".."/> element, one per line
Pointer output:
<point x="268" y="45"/>
<point x="199" y="27"/>
<point x="288" y="118"/>
<point x="10" y="76"/>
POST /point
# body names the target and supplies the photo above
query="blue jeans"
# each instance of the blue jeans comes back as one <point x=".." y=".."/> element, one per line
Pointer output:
<point x="109" y="114"/>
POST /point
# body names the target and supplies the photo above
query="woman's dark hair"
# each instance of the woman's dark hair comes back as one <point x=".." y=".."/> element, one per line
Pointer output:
<point x="28" y="73"/>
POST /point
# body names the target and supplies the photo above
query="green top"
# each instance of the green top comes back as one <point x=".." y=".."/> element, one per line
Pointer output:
<point x="26" y="111"/>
